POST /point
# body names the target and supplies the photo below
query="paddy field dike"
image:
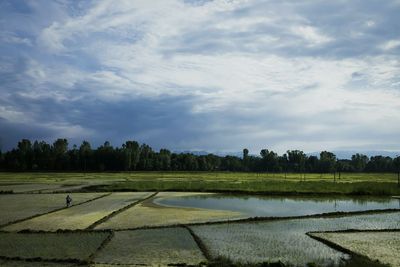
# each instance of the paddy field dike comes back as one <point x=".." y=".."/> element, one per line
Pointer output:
<point x="198" y="219"/>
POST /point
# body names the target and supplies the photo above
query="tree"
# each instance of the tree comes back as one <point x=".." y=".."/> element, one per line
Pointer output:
<point x="165" y="159"/>
<point x="231" y="163"/>
<point x="245" y="159"/>
<point x="297" y="160"/>
<point x="146" y="157"/>
<point x="132" y="155"/>
<point x="245" y="153"/>
<point x="25" y="154"/>
<point x="270" y="160"/>
<point x="73" y="155"/>
<point x="359" y="162"/>
<point x="214" y="162"/>
<point x="327" y="161"/>
<point x="312" y="164"/>
<point x="60" y="157"/>
<point x="379" y="164"/>
<point x="284" y="163"/>
<point x="343" y="165"/>
<point x="396" y="167"/>
<point x="106" y="157"/>
<point x="42" y="156"/>
<point x="85" y="152"/>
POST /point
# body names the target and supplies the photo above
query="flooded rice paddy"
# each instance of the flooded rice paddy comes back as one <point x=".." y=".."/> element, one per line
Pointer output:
<point x="286" y="240"/>
<point x="279" y="206"/>
<point x="165" y="228"/>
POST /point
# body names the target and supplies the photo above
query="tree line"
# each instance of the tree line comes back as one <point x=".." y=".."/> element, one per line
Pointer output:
<point x="132" y="156"/>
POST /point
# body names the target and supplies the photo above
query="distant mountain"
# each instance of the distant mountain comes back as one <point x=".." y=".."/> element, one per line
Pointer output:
<point x="194" y="152"/>
<point x="346" y="154"/>
<point x="203" y="152"/>
<point x="340" y="154"/>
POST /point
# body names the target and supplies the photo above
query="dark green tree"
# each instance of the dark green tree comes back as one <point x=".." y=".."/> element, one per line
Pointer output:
<point x="25" y="154"/>
<point x="359" y="162"/>
<point x="85" y="153"/>
<point x="60" y="156"/>
<point x="379" y="164"/>
<point x="270" y="161"/>
<point x="165" y="159"/>
<point x="327" y="161"/>
<point x="297" y="160"/>
<point x="132" y="154"/>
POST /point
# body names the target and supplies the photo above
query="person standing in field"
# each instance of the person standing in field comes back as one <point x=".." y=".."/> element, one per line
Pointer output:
<point x="68" y="199"/>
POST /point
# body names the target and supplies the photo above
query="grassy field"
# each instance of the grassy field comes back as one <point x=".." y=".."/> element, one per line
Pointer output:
<point x="349" y="183"/>
<point x="156" y="247"/>
<point x="67" y="177"/>
<point x="78" y="217"/>
<point x="28" y="188"/>
<point x="364" y="243"/>
<point x="241" y="242"/>
<point x="51" y="246"/>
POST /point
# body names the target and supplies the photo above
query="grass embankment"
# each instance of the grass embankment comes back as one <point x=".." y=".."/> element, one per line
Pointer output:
<point x="259" y="187"/>
<point x="271" y="183"/>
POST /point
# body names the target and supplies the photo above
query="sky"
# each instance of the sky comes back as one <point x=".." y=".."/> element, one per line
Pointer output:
<point x="202" y="75"/>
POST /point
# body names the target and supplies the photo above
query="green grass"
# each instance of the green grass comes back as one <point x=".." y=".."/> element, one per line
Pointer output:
<point x="26" y="187"/>
<point x="272" y="187"/>
<point x="15" y="177"/>
<point x="350" y="183"/>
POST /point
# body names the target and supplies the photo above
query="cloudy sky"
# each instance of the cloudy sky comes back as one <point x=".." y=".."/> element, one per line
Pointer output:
<point x="202" y="75"/>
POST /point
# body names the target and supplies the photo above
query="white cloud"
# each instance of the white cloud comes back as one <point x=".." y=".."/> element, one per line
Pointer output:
<point x="389" y="45"/>
<point x="370" y="23"/>
<point x="311" y="34"/>
<point x="9" y="37"/>
<point x="226" y="60"/>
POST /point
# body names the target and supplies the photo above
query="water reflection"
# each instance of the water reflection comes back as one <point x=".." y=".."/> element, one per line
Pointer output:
<point x="281" y="205"/>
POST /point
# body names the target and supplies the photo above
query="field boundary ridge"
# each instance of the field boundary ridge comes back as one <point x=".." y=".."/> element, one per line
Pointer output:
<point x="55" y="210"/>
<point x="116" y="212"/>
